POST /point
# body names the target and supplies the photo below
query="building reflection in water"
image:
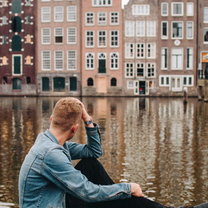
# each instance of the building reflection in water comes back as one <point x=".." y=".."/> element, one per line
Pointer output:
<point x="160" y="143"/>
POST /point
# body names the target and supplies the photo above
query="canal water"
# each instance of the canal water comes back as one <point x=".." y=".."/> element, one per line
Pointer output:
<point x="157" y="142"/>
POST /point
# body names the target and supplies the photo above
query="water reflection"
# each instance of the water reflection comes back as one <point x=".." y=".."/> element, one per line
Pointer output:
<point x="160" y="143"/>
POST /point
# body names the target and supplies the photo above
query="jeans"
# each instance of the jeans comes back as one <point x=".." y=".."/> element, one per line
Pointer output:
<point x="95" y="173"/>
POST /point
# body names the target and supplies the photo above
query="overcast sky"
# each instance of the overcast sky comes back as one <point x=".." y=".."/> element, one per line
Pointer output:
<point x="124" y="2"/>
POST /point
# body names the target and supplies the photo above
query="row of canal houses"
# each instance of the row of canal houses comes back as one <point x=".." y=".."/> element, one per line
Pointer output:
<point x="98" y="48"/>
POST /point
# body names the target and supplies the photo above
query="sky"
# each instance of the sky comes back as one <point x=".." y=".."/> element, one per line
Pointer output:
<point x="124" y="2"/>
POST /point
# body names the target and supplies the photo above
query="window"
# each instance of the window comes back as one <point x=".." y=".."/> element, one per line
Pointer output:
<point x="73" y="83"/>
<point x="177" y="8"/>
<point x="46" y="60"/>
<point x="16" y="24"/>
<point x="129" y="70"/>
<point x="177" y="58"/>
<point x="89" y="61"/>
<point x="141" y="9"/>
<point x="4" y="20"/>
<point x="59" y="60"/>
<point x="58" y="14"/>
<point x="113" y="82"/>
<point x="151" y="50"/>
<point x="90" y="82"/>
<point x="114" y="38"/>
<point x="102" y="2"/>
<point x="102" y="63"/>
<point x="140" y="50"/>
<point x="164" y="30"/>
<point x="188" y="81"/>
<point x="189" y="58"/>
<point x="177" y="30"/>
<point x="102" y="39"/>
<point x="114" y="60"/>
<point x="28" y="3"/>
<point x="151" y="28"/>
<point x="189" y="30"/>
<point x="72" y="60"/>
<point x="140" y="28"/>
<point x="140" y="69"/>
<point x="150" y="70"/>
<point x="89" y="18"/>
<point x="114" y="18"/>
<point x="190" y="9"/>
<point x="164" y="58"/>
<point x="28" y="20"/>
<point x="71" y="13"/>
<point x="16" y="84"/>
<point x="72" y="35"/>
<point x="4" y="3"/>
<point x="164" y="81"/>
<point x="17" y="64"/>
<point x="102" y="18"/>
<point x="206" y="35"/>
<point x="129" y="28"/>
<point x="4" y="39"/>
<point x="58" y="35"/>
<point x="89" y="39"/>
<point x="129" y="50"/>
<point x="130" y="84"/>
<point x="45" y="14"/>
<point x="46" y="35"/>
<point x="16" y="43"/>
<point x="164" y="9"/>
<point x="45" y="84"/>
<point x="205" y="14"/>
<point x="59" y="84"/>
<point x="16" y="6"/>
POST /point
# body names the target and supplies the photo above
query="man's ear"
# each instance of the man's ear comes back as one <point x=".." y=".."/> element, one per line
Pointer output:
<point x="74" y="128"/>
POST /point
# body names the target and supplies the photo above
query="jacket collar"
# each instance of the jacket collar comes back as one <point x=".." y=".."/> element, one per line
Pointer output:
<point x="51" y="136"/>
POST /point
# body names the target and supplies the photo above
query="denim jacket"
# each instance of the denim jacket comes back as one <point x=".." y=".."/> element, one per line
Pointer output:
<point x="47" y="173"/>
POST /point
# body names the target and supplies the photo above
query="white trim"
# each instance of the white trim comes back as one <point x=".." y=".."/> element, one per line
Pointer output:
<point x="132" y="69"/>
<point x="67" y="12"/>
<point x="86" y="54"/>
<point x="55" y="12"/>
<point x="55" y="69"/>
<point x="165" y="77"/>
<point x="174" y="38"/>
<point x="190" y="3"/>
<point x="100" y="23"/>
<point x="116" y="68"/>
<point x="164" y="37"/>
<point x="93" y="37"/>
<point x="75" y="35"/>
<point x="152" y="64"/>
<point x="164" y="3"/>
<point x="191" y="38"/>
<point x="21" y="64"/>
<point x="110" y="18"/>
<point x="49" y="14"/>
<point x="182" y="8"/>
<point x="106" y="39"/>
<point x="75" y="60"/>
<point x="118" y="37"/>
<point x="182" y="59"/>
<point x="47" y="36"/>
<point x="93" y="17"/>
<point x="42" y="69"/>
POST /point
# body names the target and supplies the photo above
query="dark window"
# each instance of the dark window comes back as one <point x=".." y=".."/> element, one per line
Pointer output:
<point x="16" y="43"/>
<point x="16" y="6"/>
<point x="59" y="84"/>
<point x="90" y="82"/>
<point x="28" y="80"/>
<point x="16" y="84"/>
<point x="102" y="66"/>
<point x="73" y="84"/>
<point x="45" y="84"/>
<point x="113" y="82"/>
<point x="16" y="24"/>
<point x="5" y="80"/>
<point x="17" y="64"/>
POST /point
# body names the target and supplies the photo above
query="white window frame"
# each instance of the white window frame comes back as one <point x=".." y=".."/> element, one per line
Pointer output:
<point x="140" y="28"/>
<point x="187" y="79"/>
<point x="72" y="60"/>
<point x="205" y="30"/>
<point x="21" y="64"/>
<point x="92" y="61"/>
<point x="140" y="9"/>
<point x="140" y="65"/>
<point x="187" y="30"/>
<point x="130" y="86"/>
<point x="129" y="74"/>
<point x="151" y="27"/>
<point x="48" y="36"/>
<point x="91" y="17"/>
<point x="141" y="48"/>
<point x="189" y="5"/>
<point x="58" y="14"/>
<point x="151" y="66"/>
<point x="69" y="35"/>
<point x="70" y="13"/>
<point x="116" y="17"/>
<point x="152" y="53"/>
<point x="99" y="17"/>
<point x="191" y="58"/>
<point x="162" y="9"/>
<point x="166" y="83"/>
<point x="163" y="57"/>
<point x="172" y="29"/>
<point x="104" y="38"/>
<point x="91" y="37"/>
<point x="173" y="61"/>
<point x="129" y="50"/>
<point x="44" y="60"/>
<point x="114" y="63"/>
<point x="113" y="37"/>
<point x="163" y="36"/>
<point x="205" y="15"/>
<point x="55" y="35"/>
<point x="101" y="3"/>
<point x="58" y="59"/>
<point x="43" y="13"/>
<point x="129" y="28"/>
<point x="182" y="9"/>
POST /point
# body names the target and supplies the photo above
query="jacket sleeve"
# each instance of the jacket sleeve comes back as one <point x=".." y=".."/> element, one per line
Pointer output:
<point x="58" y="169"/>
<point x="91" y="149"/>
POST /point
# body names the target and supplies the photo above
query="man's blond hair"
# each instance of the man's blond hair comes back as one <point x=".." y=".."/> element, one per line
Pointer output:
<point x="67" y="112"/>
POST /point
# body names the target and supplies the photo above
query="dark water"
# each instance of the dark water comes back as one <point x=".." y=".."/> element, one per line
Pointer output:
<point x="160" y="143"/>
